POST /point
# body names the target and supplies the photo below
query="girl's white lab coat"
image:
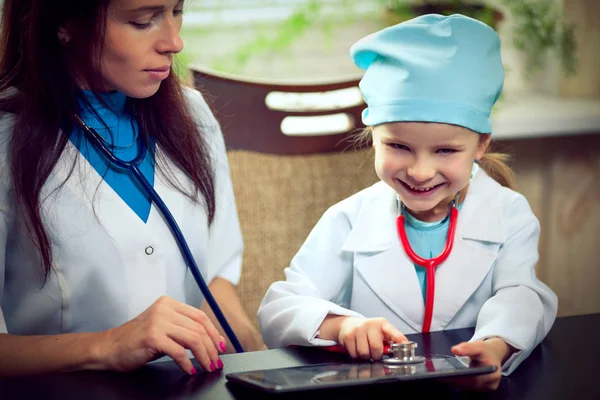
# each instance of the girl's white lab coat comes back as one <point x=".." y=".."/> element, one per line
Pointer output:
<point x="109" y="265"/>
<point x="352" y="263"/>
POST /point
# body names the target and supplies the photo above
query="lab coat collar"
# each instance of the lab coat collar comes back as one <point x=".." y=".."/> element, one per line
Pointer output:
<point x="385" y="267"/>
<point x="76" y="175"/>
<point x="375" y="227"/>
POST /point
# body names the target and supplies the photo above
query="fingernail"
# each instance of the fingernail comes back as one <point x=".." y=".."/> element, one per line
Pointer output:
<point x="212" y="367"/>
<point x="223" y="347"/>
<point x="220" y="364"/>
<point x="193" y="371"/>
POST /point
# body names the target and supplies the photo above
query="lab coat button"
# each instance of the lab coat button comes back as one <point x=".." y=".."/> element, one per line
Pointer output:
<point x="149" y="250"/>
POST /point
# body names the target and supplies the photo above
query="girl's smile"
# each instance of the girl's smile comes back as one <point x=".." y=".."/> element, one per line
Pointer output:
<point x="421" y="190"/>
<point x="427" y="164"/>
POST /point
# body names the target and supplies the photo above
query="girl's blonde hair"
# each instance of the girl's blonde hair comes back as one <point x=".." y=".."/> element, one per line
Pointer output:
<point x="494" y="164"/>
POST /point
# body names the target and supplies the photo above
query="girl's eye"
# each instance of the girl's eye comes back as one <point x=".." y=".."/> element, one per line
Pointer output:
<point x="398" y="146"/>
<point x="177" y="13"/>
<point x="446" y="151"/>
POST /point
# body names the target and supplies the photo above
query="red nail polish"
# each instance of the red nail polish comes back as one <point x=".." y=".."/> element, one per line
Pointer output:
<point x="212" y="367"/>
<point x="193" y="371"/>
<point x="220" y="364"/>
<point x="223" y="347"/>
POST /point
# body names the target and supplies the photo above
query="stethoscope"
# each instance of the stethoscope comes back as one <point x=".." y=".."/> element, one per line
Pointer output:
<point x="428" y="263"/>
<point x="398" y="355"/>
<point x="403" y="354"/>
<point x="133" y="167"/>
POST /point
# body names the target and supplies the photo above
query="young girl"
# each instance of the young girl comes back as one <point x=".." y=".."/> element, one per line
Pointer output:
<point x="430" y="84"/>
<point x="90" y="275"/>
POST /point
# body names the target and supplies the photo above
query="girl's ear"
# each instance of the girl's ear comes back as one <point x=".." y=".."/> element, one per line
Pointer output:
<point x="484" y="142"/>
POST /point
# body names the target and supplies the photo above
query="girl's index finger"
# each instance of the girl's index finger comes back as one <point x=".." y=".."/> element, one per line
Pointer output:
<point x="392" y="334"/>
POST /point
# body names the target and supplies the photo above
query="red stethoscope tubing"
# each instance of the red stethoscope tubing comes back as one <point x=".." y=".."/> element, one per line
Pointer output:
<point x="429" y="264"/>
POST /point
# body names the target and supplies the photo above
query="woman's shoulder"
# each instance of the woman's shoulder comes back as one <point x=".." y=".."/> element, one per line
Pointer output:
<point x="208" y="126"/>
<point x="193" y="96"/>
<point x="7" y="121"/>
<point x="201" y="112"/>
<point x="198" y="106"/>
<point x="6" y="129"/>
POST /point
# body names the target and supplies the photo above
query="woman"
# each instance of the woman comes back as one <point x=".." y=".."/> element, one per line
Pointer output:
<point x="90" y="275"/>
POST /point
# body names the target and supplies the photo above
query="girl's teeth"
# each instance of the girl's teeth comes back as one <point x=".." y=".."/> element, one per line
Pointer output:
<point x="422" y="190"/>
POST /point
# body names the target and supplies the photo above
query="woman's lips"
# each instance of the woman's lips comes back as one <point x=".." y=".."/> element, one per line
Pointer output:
<point x="159" y="73"/>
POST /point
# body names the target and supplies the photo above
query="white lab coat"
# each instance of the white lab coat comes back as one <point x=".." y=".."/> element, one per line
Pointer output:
<point x="108" y="264"/>
<point x="352" y="263"/>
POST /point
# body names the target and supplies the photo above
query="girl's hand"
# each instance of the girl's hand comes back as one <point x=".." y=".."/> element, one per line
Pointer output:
<point x="167" y="327"/>
<point x="494" y="351"/>
<point x="364" y="338"/>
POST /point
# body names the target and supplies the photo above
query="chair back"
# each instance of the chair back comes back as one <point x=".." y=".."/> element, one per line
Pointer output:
<point x="284" y="182"/>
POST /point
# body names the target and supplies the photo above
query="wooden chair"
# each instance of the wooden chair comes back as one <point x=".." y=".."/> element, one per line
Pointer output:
<point x="284" y="182"/>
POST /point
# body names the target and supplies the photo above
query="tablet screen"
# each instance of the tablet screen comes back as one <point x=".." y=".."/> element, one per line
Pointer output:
<point x="352" y="373"/>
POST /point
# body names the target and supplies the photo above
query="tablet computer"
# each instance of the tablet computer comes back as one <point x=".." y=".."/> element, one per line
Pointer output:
<point x="352" y="373"/>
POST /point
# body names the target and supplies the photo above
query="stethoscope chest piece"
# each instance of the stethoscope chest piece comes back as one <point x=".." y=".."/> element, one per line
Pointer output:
<point x="403" y="354"/>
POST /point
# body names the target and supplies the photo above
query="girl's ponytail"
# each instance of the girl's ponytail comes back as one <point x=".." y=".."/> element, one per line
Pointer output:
<point x="496" y="166"/>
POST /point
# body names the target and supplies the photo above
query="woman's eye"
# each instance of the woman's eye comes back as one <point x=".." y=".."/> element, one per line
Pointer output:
<point x="177" y="13"/>
<point x="141" y="25"/>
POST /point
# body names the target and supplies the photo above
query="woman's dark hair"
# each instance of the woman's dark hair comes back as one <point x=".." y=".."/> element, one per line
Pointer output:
<point x="41" y="69"/>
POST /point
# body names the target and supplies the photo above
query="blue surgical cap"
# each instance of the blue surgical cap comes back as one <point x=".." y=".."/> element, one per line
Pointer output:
<point x="432" y="68"/>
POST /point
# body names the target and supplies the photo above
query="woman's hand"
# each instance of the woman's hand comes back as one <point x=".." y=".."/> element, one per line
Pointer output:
<point x="226" y="295"/>
<point x="364" y="337"/>
<point x="494" y="351"/>
<point x="167" y="327"/>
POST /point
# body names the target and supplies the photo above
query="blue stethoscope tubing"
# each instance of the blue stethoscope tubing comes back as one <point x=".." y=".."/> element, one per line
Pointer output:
<point x="132" y="167"/>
